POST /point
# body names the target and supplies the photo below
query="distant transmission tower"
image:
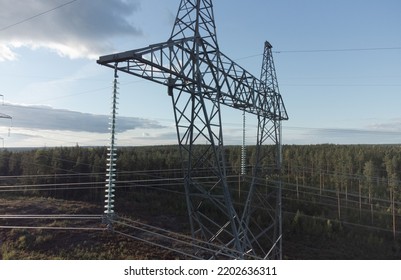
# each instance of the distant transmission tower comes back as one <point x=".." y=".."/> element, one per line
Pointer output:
<point x="4" y="116"/>
<point x="200" y="78"/>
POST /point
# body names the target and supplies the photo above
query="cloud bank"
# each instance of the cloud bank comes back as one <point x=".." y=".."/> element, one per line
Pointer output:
<point x="81" y="29"/>
<point x="377" y="134"/>
<point x="47" y="118"/>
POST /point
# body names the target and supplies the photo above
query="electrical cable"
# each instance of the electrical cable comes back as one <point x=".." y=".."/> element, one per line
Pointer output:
<point x="51" y="216"/>
<point x="157" y="244"/>
<point x="324" y="50"/>
<point x="159" y="184"/>
<point x="53" y="228"/>
<point x="177" y="237"/>
<point x="340" y="50"/>
<point x="37" y="15"/>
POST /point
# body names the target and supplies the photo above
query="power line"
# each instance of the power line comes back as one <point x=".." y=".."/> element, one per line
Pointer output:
<point x="202" y="246"/>
<point x="171" y="249"/>
<point x="158" y="185"/>
<point x="52" y="217"/>
<point x="339" y="50"/>
<point x="162" y="234"/>
<point x="324" y="50"/>
<point x="37" y="15"/>
<point x="52" y="228"/>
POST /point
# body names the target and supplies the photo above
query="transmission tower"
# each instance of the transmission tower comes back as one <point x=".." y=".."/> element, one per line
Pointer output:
<point x="5" y="116"/>
<point x="200" y="78"/>
<point x="262" y="212"/>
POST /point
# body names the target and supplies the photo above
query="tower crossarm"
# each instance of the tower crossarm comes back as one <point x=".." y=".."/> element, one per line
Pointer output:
<point x="183" y="63"/>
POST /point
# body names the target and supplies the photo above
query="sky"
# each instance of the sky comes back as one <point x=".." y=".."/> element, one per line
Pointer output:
<point x="338" y="66"/>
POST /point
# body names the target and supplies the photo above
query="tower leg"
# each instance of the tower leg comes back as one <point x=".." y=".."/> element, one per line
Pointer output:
<point x="210" y="207"/>
<point x="261" y="216"/>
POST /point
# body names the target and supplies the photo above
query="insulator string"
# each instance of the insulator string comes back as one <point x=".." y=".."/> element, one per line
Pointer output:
<point x="243" y="150"/>
<point x="112" y="158"/>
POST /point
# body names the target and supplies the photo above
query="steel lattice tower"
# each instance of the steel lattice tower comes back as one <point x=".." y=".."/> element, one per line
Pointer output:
<point x="199" y="78"/>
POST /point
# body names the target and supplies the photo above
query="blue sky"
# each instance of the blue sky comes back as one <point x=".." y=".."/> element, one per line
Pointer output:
<point x="338" y="64"/>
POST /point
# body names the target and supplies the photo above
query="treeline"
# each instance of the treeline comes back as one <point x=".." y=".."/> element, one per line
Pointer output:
<point x="331" y="192"/>
<point x="361" y="174"/>
<point x="58" y="171"/>
<point x="361" y="181"/>
<point x="343" y="196"/>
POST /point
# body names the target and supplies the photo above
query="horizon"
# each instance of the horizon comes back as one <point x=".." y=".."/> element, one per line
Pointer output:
<point x="176" y="145"/>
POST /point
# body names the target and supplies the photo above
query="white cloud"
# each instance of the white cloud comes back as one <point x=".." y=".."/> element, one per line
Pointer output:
<point x="35" y="126"/>
<point x="392" y="125"/>
<point x="368" y="135"/>
<point x="6" y="53"/>
<point x="80" y="29"/>
<point x="48" y="118"/>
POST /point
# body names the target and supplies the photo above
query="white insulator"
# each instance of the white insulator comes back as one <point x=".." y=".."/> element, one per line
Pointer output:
<point x="112" y="154"/>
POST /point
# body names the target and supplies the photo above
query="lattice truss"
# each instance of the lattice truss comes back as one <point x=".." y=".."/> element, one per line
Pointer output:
<point x="200" y="78"/>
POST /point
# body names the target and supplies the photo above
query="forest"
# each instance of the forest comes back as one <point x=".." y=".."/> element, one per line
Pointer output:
<point x="339" y="201"/>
